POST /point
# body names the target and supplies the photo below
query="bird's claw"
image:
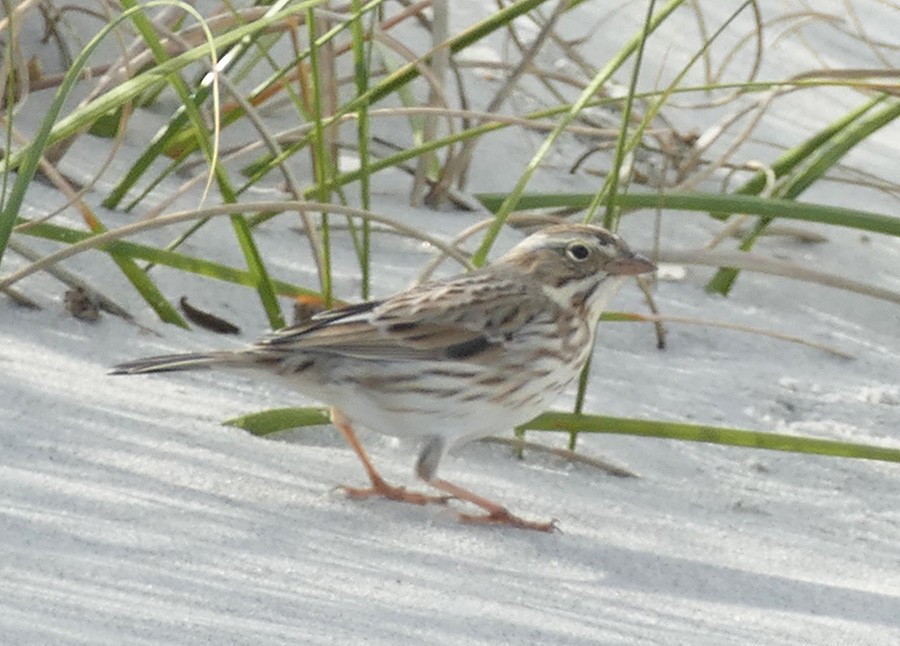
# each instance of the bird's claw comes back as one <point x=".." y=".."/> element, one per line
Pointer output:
<point x="399" y="494"/>
<point x="503" y="517"/>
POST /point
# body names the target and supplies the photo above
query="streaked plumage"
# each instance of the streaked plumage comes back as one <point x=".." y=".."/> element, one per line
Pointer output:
<point x="449" y="360"/>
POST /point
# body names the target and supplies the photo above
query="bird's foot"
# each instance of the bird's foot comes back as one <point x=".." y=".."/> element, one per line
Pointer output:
<point x="502" y="517"/>
<point x="382" y="489"/>
<point x="496" y="514"/>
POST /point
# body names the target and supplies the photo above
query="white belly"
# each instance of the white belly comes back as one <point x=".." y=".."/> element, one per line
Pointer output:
<point x="458" y="401"/>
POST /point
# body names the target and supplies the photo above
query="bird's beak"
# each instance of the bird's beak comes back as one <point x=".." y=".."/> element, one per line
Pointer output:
<point x="628" y="264"/>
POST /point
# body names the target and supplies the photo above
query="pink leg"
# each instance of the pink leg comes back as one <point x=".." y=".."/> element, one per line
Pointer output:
<point x="379" y="486"/>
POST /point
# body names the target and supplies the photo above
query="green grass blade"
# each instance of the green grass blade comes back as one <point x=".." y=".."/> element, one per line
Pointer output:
<point x="570" y="423"/>
<point x="29" y="163"/>
<point x="655" y="104"/>
<point x="148" y="290"/>
<point x="26" y="160"/>
<point x="188" y="110"/>
<point x="611" y="186"/>
<point x="716" y="203"/>
<point x="184" y="141"/>
<point x="362" y="58"/>
<point x="273" y="421"/>
<point x="257" y="268"/>
<point x="322" y="163"/>
<point x="280" y="419"/>
<point x="185" y="131"/>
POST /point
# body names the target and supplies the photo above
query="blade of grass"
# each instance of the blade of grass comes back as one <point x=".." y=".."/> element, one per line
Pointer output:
<point x="567" y="422"/>
<point x="147" y="288"/>
<point x="26" y="159"/>
<point x="138" y="278"/>
<point x="257" y="169"/>
<point x="322" y="161"/>
<point x="9" y="107"/>
<point x="30" y="160"/>
<point x="181" y="141"/>
<point x="623" y="146"/>
<point x="610" y="186"/>
<point x="611" y="217"/>
<point x="361" y="62"/>
<point x="273" y="421"/>
<point x="83" y="116"/>
<point x="749" y="261"/>
<point x="280" y="419"/>
<point x="715" y="203"/>
<point x="184" y="133"/>
<point x="626" y="145"/>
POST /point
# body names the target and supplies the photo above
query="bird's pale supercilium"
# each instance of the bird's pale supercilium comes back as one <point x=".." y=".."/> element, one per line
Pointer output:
<point x="450" y="360"/>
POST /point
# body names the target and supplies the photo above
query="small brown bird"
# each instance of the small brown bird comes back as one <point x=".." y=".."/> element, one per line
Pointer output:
<point x="450" y="360"/>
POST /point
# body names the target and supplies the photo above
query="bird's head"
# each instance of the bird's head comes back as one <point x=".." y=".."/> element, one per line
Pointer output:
<point x="577" y="265"/>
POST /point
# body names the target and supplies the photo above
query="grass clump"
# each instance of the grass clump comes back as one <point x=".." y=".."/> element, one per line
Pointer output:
<point x="274" y="97"/>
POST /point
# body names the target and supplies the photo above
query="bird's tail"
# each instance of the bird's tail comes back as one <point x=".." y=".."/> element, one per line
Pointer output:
<point x="175" y="362"/>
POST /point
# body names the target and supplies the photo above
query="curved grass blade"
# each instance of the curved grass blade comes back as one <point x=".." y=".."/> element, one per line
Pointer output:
<point x="185" y="124"/>
<point x="165" y="257"/>
<point x="362" y="60"/>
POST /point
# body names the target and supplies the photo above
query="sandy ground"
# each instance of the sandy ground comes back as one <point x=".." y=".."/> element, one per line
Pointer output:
<point x="131" y="515"/>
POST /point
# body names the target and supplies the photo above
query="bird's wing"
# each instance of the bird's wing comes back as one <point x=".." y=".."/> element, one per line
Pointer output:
<point x="462" y="319"/>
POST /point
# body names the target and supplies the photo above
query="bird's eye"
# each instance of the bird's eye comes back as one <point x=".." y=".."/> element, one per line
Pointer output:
<point x="578" y="251"/>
